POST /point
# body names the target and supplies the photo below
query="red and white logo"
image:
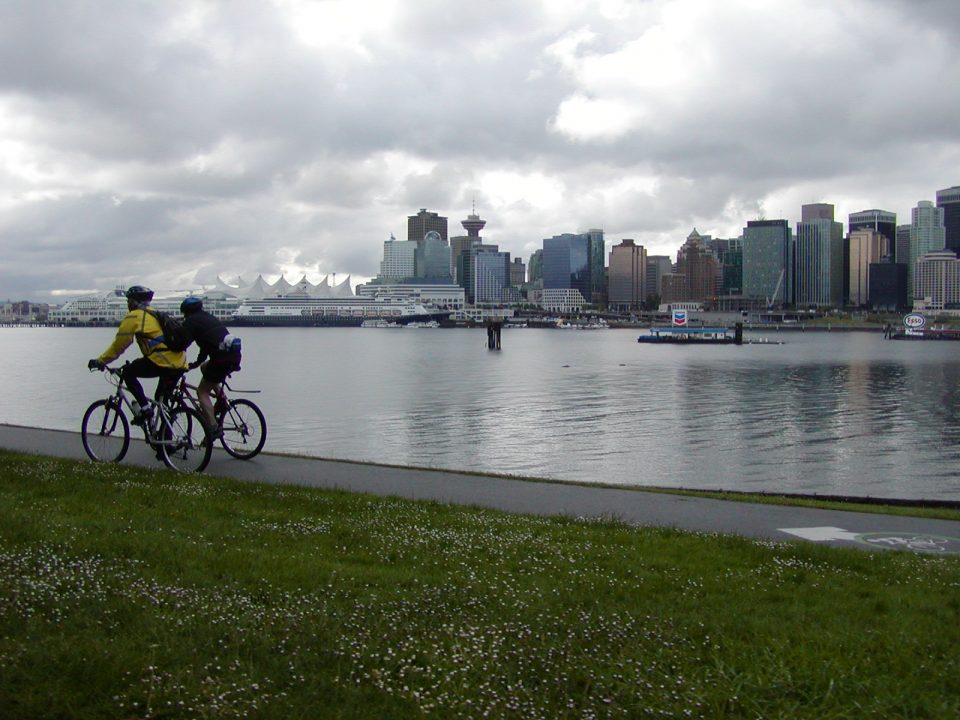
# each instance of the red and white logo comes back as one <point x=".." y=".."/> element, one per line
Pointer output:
<point x="914" y="321"/>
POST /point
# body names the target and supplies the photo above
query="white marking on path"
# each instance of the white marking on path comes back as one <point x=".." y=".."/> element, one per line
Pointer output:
<point x="821" y="534"/>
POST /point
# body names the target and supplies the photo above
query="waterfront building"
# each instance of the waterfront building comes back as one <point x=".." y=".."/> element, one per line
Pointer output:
<point x="658" y="267"/>
<point x="927" y="235"/>
<point x="936" y="284"/>
<point x="562" y="300"/>
<point x="518" y="273"/>
<point x="458" y="246"/>
<point x="818" y="263"/>
<point x="696" y="276"/>
<point x="888" y="286"/>
<point x="867" y="247"/>
<point x="627" y="276"/>
<point x="432" y="258"/>
<point x="901" y="252"/>
<point x="535" y="268"/>
<point x="567" y="264"/>
<point x="491" y="275"/>
<point x="768" y="262"/>
<point x="881" y="221"/>
<point x="598" y="276"/>
<point x="399" y="259"/>
<point x="729" y="254"/>
<point x="818" y="257"/>
<point x="423" y="222"/>
<point x="948" y="200"/>
<point x="467" y="267"/>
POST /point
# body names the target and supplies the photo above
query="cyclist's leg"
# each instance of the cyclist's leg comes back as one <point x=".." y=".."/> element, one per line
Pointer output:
<point x="166" y="383"/>
<point x="205" y="391"/>
<point x="133" y="371"/>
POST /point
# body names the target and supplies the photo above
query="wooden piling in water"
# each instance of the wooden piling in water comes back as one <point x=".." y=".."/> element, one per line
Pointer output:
<point x="493" y="334"/>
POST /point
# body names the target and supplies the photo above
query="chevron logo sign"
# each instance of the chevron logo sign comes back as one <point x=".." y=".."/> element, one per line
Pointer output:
<point x="679" y="317"/>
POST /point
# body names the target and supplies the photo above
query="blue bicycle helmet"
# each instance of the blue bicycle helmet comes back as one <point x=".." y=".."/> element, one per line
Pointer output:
<point x="191" y="305"/>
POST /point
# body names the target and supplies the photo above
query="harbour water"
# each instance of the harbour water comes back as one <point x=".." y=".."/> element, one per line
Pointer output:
<point x="845" y="413"/>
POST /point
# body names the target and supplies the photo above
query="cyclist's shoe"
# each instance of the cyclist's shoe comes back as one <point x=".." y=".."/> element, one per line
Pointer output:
<point x="211" y="434"/>
<point x="143" y="417"/>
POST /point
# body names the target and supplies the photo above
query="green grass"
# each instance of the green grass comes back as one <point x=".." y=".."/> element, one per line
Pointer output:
<point x="126" y="592"/>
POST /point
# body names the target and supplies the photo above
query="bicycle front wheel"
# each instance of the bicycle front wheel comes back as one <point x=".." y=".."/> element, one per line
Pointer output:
<point x="105" y="431"/>
<point x="244" y="429"/>
<point x="183" y="443"/>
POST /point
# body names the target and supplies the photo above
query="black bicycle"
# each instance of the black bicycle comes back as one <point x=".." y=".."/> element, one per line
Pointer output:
<point x="177" y="434"/>
<point x="241" y="426"/>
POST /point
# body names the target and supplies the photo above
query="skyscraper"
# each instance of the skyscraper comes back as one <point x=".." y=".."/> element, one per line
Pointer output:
<point x="818" y="258"/>
<point x="880" y="221"/>
<point x="927" y="234"/>
<point x="598" y="289"/>
<point x="491" y="274"/>
<point x="423" y="222"/>
<point x="518" y="272"/>
<point x="566" y="264"/>
<point x="729" y="254"/>
<point x="627" y="281"/>
<point x="867" y="247"/>
<point x="902" y="251"/>
<point x="949" y="201"/>
<point x="768" y="261"/>
<point x="937" y="281"/>
<point x="398" y="259"/>
<point x="658" y="267"/>
<point x="698" y="273"/>
<point x="432" y="258"/>
<point x="535" y="269"/>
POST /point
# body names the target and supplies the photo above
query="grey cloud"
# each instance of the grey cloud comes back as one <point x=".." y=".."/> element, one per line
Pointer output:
<point x="221" y="146"/>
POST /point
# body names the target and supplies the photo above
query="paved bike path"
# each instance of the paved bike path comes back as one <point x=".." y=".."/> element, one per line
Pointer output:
<point x="770" y="522"/>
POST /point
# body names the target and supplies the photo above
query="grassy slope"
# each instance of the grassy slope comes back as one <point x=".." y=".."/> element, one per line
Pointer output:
<point x="135" y="593"/>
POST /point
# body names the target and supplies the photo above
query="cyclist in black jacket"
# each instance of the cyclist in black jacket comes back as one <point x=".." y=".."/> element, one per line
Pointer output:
<point x="219" y="352"/>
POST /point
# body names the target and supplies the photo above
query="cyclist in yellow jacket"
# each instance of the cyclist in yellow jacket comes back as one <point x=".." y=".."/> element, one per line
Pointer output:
<point x="157" y="361"/>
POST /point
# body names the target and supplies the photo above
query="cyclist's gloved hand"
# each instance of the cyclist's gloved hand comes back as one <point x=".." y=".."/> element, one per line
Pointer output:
<point x="95" y="364"/>
<point x="194" y="365"/>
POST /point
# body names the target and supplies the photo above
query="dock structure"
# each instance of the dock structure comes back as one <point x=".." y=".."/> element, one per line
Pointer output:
<point x="493" y="334"/>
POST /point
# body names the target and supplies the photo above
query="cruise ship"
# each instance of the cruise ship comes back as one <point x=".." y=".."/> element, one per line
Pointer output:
<point x="260" y="303"/>
<point x="331" y="312"/>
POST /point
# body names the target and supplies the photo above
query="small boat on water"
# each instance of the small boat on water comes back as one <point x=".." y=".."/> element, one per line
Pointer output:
<point x="925" y="334"/>
<point x="915" y="328"/>
<point x="691" y="335"/>
<point x="379" y="323"/>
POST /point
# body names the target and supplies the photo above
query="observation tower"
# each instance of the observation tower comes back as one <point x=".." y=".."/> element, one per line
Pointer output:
<point x="473" y="224"/>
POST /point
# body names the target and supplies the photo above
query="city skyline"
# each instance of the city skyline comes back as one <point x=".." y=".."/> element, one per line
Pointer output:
<point x="167" y="143"/>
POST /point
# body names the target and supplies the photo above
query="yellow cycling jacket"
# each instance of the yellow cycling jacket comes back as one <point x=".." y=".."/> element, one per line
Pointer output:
<point x="145" y="328"/>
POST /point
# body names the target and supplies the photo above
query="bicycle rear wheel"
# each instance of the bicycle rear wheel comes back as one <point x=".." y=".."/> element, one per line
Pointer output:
<point x="184" y="446"/>
<point x="244" y="429"/>
<point x="105" y="431"/>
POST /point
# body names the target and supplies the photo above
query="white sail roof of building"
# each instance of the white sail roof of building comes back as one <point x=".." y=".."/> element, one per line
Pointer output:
<point x="260" y="289"/>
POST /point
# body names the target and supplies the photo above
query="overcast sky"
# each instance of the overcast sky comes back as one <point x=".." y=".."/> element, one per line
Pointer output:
<point x="165" y="143"/>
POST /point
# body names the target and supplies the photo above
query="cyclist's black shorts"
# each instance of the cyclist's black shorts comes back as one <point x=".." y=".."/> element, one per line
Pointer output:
<point x="219" y="367"/>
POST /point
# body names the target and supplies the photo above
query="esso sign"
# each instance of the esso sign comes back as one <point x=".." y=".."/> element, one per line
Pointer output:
<point x="914" y="321"/>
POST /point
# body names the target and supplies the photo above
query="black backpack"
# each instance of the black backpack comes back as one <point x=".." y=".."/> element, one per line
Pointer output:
<point x="175" y="335"/>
